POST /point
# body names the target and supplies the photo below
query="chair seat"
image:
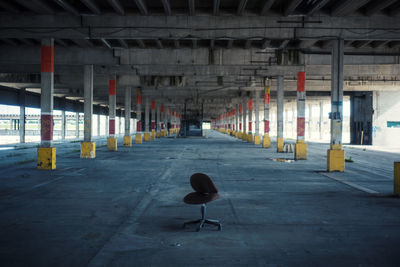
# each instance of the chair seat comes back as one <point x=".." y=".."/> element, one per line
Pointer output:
<point x="196" y="198"/>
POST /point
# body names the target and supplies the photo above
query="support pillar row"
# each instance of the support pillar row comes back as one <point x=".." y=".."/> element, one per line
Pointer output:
<point x="335" y="155"/>
<point x="112" y="92"/>
<point x="138" y="136"/>
<point x="46" y="152"/>
<point x="301" y="146"/>
<point x="267" y="94"/>
<point x="128" y="104"/>
<point x="88" y="148"/>
<point x="279" y="112"/>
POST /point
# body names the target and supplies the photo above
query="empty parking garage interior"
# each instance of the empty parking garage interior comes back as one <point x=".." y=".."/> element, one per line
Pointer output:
<point x="291" y="109"/>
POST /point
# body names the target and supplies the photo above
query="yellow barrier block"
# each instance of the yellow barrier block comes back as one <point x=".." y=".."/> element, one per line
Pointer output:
<point x="244" y="136"/>
<point x="250" y="138"/>
<point x="266" y="141"/>
<point x="300" y="150"/>
<point x="279" y="144"/>
<point x="138" y="138"/>
<point x="153" y="134"/>
<point x="335" y="160"/>
<point x="127" y="140"/>
<point x="46" y="158"/>
<point x="171" y="131"/>
<point x="257" y="139"/>
<point x="147" y="137"/>
<point x="396" y="179"/>
<point x="112" y="144"/>
<point x="88" y="150"/>
<point x="158" y="134"/>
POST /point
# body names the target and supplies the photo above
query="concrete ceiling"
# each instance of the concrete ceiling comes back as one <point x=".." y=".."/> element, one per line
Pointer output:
<point x="196" y="51"/>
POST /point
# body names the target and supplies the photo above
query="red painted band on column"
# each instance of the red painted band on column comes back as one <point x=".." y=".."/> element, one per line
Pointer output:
<point x="266" y="126"/>
<point x="162" y="126"/>
<point x="111" y="127"/>
<point x="240" y="126"/>
<point x="233" y="112"/>
<point x="234" y="127"/>
<point x="153" y="105"/>
<point x="47" y="58"/>
<point x="138" y="126"/>
<point x="153" y="125"/>
<point x="162" y="108"/>
<point x="138" y="99"/>
<point x="301" y="80"/>
<point x="240" y="109"/>
<point x="112" y="87"/>
<point x="46" y="127"/>
<point x="300" y="126"/>
<point x="250" y="126"/>
<point x="250" y="104"/>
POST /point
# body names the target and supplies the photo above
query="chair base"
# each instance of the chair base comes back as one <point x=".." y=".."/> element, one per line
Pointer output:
<point x="203" y="220"/>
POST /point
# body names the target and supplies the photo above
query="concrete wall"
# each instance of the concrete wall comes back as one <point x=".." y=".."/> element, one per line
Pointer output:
<point x="386" y="108"/>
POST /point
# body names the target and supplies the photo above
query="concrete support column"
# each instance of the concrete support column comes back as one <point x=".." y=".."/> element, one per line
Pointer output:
<point x="301" y="146"/>
<point x="164" y="121"/>
<point x="153" y="120"/>
<point x="240" y="133"/>
<point x="147" y="120"/>
<point x="309" y="128"/>
<point x="257" y="137"/>
<point x="77" y="125"/>
<point x="267" y="96"/>
<point x="250" y="130"/>
<point x="321" y="120"/>
<point x="279" y="113"/>
<point x="98" y="124"/>
<point x="158" y="112"/>
<point x="244" y="105"/>
<point x="63" y="124"/>
<point x="22" y="115"/>
<point x="88" y="148"/>
<point x="47" y="153"/>
<point x="112" y="96"/>
<point x="236" y="120"/>
<point x="335" y="155"/>
<point x="128" y="104"/>
<point x="138" y="137"/>
<point x="119" y="122"/>
<point x="106" y="130"/>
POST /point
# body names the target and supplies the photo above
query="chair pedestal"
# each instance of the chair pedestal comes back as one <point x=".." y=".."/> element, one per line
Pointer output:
<point x="203" y="220"/>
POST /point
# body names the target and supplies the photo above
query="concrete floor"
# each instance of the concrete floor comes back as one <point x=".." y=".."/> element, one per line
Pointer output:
<point x="125" y="208"/>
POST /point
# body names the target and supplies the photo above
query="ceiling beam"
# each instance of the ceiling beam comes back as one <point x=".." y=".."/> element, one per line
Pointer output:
<point x="8" y="7"/>
<point x="241" y="7"/>
<point x="291" y="7"/>
<point x="212" y="44"/>
<point x="67" y="7"/>
<point x="192" y="8"/>
<point x="116" y="5"/>
<point x="37" y="6"/>
<point x="106" y="43"/>
<point x="306" y="43"/>
<point x="361" y="44"/>
<point x="376" y="7"/>
<point x="83" y="43"/>
<point x="142" y="7"/>
<point x="320" y="4"/>
<point x="9" y="42"/>
<point x="167" y="7"/>
<point x="377" y="44"/>
<point x="123" y="43"/>
<point x="27" y="42"/>
<point x="61" y="42"/>
<point x="216" y="7"/>
<point x="140" y="43"/>
<point x="159" y="43"/>
<point x="266" y="7"/>
<point x="345" y="7"/>
<point x="92" y="6"/>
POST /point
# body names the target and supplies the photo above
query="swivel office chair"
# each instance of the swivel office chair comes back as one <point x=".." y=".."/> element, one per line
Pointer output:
<point x="205" y="191"/>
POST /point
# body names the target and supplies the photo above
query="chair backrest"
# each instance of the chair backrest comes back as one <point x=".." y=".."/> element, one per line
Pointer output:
<point x="201" y="183"/>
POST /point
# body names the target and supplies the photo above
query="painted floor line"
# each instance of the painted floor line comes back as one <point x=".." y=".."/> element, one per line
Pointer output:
<point x="356" y="186"/>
